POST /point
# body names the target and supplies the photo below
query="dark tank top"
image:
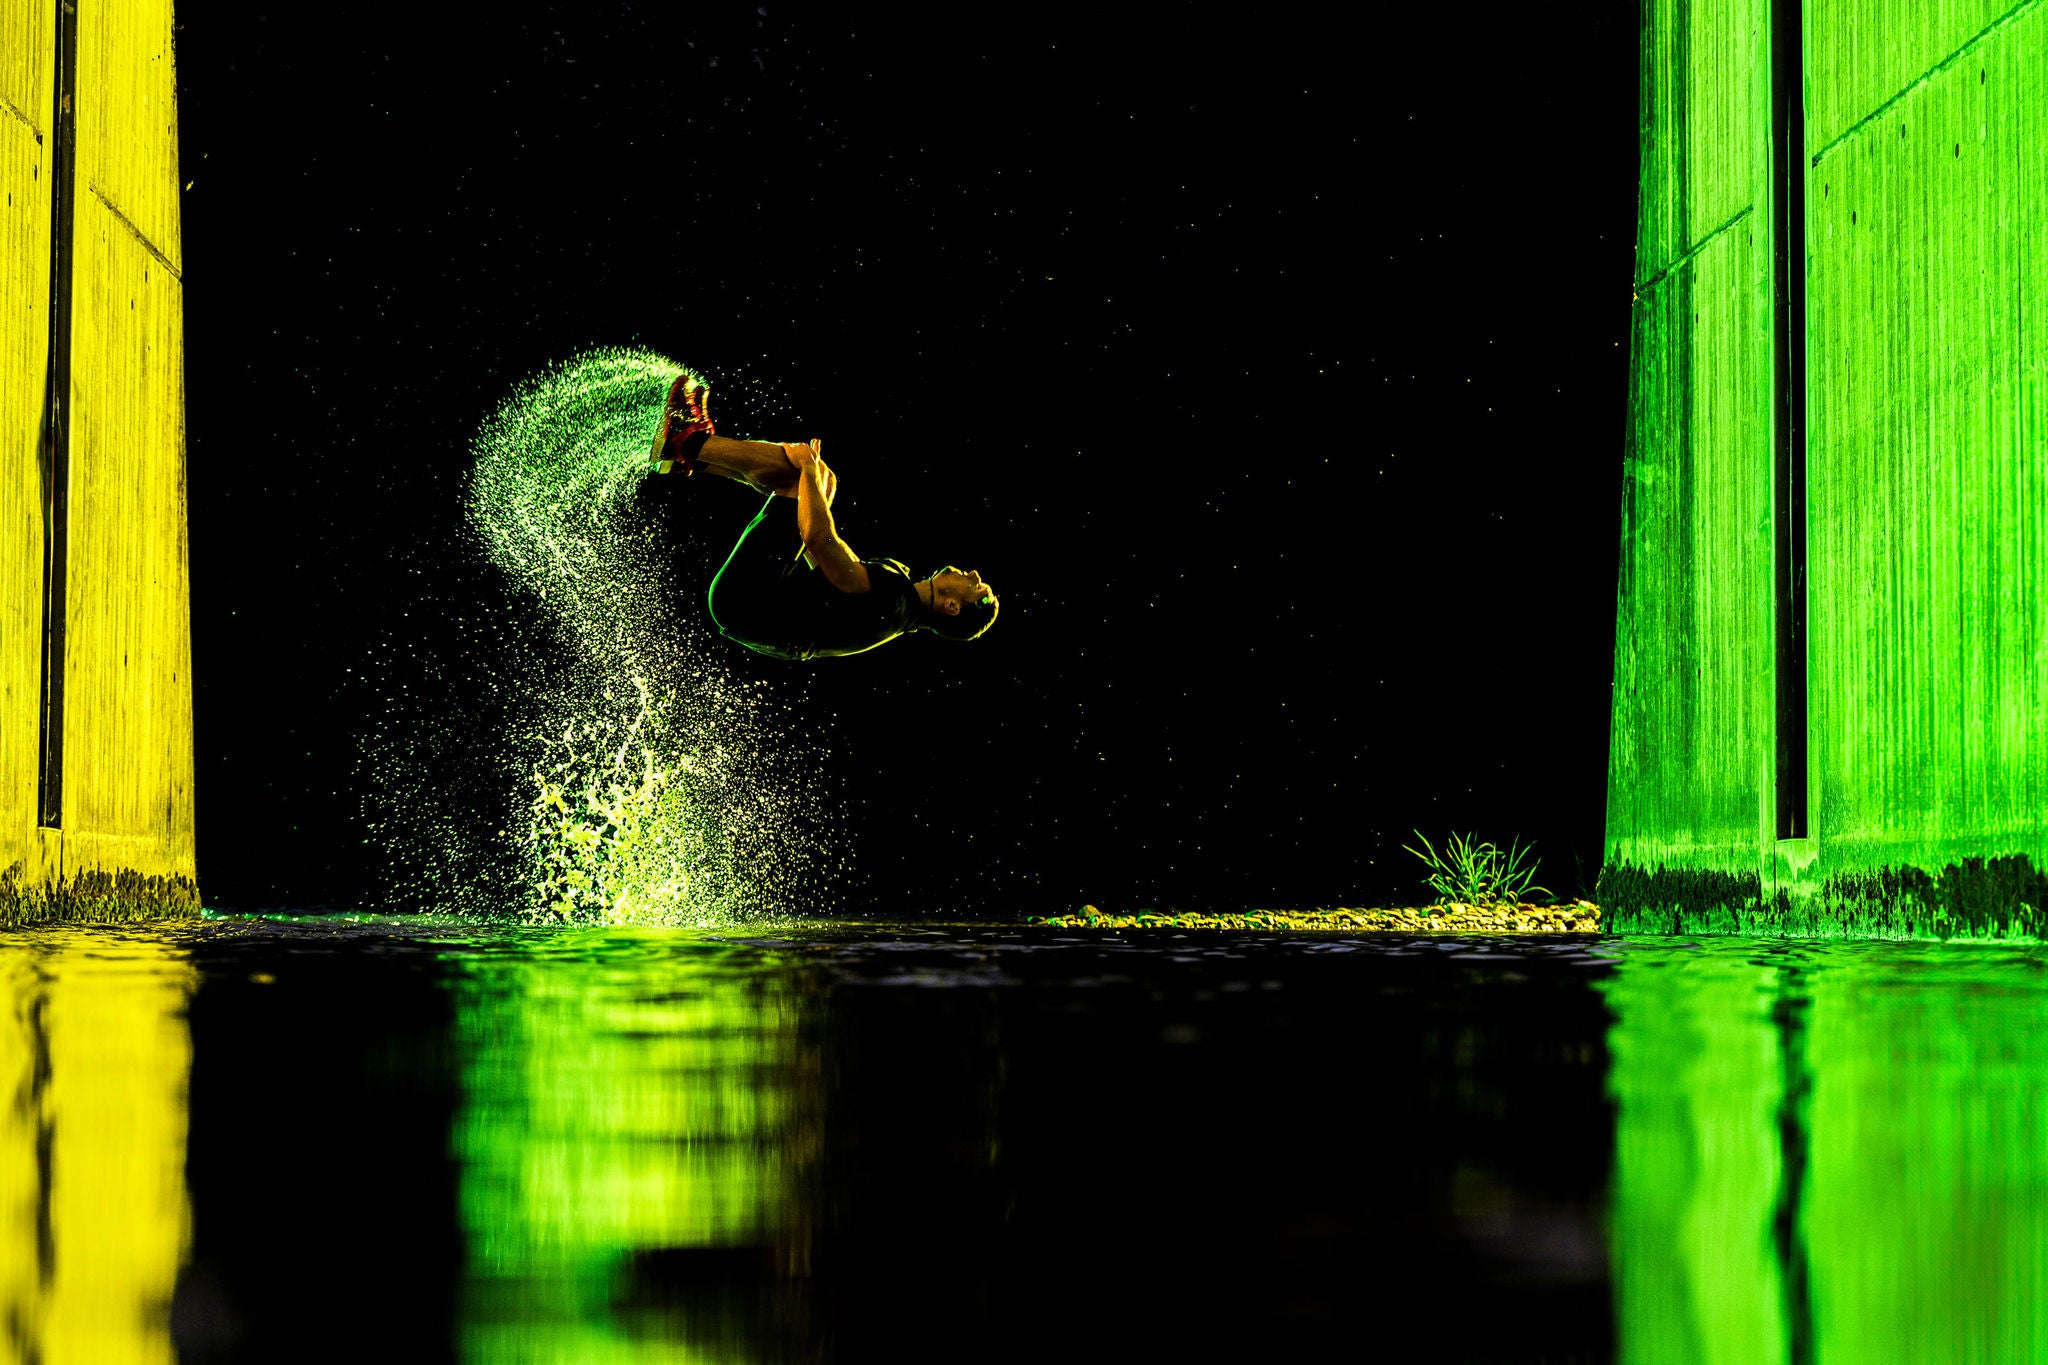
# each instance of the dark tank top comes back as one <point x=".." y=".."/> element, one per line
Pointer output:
<point x="854" y="622"/>
<point x="811" y="619"/>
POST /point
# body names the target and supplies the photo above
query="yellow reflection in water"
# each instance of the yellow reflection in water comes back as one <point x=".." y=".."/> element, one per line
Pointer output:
<point x="94" y="1217"/>
<point x="1831" y="1152"/>
<point x="630" y="1100"/>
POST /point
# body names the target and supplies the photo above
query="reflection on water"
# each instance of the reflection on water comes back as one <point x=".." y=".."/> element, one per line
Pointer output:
<point x="1696" y="1067"/>
<point x="94" y="1221"/>
<point x="1833" y="1152"/>
<point x="631" y="1146"/>
<point x="633" y="1129"/>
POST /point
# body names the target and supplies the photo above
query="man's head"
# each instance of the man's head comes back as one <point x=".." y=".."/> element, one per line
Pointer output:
<point x="962" y="605"/>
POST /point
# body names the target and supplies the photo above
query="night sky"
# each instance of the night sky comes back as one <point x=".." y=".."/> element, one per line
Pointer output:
<point x="1276" y="377"/>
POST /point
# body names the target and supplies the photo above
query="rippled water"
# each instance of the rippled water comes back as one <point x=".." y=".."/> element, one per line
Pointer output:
<point x="267" y="1140"/>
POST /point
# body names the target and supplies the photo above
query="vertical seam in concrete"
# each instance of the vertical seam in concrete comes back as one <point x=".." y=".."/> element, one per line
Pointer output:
<point x="55" y="445"/>
<point x="1788" y="338"/>
<point x="1680" y="366"/>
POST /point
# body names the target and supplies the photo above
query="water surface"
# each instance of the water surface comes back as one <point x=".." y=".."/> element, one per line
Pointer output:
<point x="259" y="1140"/>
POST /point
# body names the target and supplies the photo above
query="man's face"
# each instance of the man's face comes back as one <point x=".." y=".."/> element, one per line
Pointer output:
<point x="954" y="589"/>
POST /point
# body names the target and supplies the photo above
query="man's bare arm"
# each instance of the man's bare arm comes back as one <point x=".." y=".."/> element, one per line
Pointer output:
<point x="833" y="556"/>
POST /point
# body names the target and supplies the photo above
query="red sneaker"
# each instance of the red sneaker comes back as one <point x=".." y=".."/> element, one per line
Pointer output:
<point x="683" y="418"/>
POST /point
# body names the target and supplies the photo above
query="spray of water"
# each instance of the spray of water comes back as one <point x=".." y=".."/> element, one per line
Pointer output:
<point x="629" y="777"/>
<point x="551" y="494"/>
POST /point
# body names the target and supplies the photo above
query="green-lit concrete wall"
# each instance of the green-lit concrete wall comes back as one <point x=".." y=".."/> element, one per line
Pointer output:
<point x="124" y="841"/>
<point x="1926" y="464"/>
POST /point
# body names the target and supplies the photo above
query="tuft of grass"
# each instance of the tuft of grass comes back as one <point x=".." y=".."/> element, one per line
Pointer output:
<point x="1469" y="872"/>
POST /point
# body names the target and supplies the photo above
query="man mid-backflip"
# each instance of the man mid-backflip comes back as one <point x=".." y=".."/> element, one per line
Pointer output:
<point x="792" y="588"/>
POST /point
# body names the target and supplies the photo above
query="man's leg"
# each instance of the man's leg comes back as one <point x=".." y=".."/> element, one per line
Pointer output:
<point x="687" y="437"/>
<point x="762" y="464"/>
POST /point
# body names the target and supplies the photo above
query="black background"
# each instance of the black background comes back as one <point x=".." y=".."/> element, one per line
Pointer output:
<point x="1275" y="376"/>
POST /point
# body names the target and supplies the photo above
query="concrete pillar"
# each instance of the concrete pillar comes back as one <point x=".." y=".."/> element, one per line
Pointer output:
<point x="1830" y="708"/>
<point x="95" y="604"/>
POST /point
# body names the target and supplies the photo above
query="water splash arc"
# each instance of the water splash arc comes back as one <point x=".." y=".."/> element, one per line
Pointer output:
<point x="657" y="786"/>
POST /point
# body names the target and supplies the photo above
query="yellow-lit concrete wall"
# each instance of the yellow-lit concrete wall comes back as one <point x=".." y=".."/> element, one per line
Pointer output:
<point x="125" y="845"/>
<point x="27" y="70"/>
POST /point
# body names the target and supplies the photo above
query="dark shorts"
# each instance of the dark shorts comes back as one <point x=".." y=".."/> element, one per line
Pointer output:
<point x="765" y="597"/>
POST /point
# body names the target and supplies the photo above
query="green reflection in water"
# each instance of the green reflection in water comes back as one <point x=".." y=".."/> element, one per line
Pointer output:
<point x="95" y="1220"/>
<point x="638" y="1109"/>
<point x="1831" y="1152"/>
